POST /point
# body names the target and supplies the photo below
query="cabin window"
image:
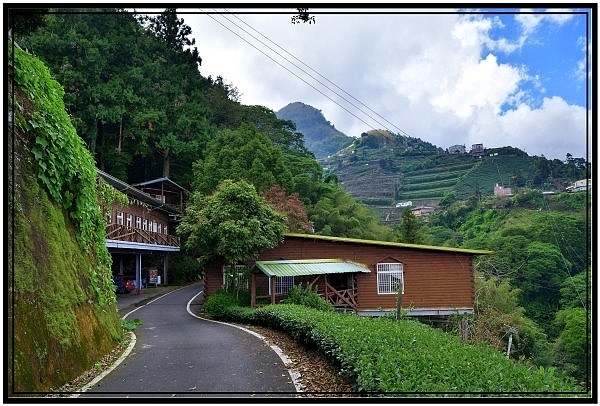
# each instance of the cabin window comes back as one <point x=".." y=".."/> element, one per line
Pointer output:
<point x="145" y="224"/>
<point x="283" y="284"/>
<point x="236" y="278"/>
<point x="150" y="222"/>
<point x="138" y="222"/>
<point x="129" y="220"/>
<point x="120" y="218"/>
<point x="155" y="226"/>
<point x="165" y="229"/>
<point x="160" y="228"/>
<point x="390" y="278"/>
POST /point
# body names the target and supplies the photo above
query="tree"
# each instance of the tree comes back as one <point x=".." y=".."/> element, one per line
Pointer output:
<point x="233" y="223"/>
<point x="244" y="153"/>
<point x="290" y="206"/>
<point x="409" y="230"/>
<point x="573" y="346"/>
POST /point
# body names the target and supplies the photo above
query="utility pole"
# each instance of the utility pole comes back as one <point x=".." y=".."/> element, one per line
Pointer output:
<point x="511" y="331"/>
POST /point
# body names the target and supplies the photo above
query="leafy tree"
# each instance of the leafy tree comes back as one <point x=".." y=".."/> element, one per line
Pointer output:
<point x="339" y="214"/>
<point x="575" y="292"/>
<point x="290" y="206"/>
<point x="234" y="223"/>
<point x="409" y="230"/>
<point x="573" y="345"/>
<point x="239" y="154"/>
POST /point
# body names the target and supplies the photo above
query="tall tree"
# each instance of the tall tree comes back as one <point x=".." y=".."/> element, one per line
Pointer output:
<point x="244" y="153"/>
<point x="410" y="230"/>
<point x="234" y="223"/>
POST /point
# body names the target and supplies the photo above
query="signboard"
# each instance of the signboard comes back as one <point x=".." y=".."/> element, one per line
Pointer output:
<point x="153" y="276"/>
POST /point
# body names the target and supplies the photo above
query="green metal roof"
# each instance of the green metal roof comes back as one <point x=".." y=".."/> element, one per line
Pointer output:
<point x="389" y="244"/>
<point x="302" y="267"/>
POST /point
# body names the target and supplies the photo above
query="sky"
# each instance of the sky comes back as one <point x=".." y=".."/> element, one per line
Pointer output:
<point x="500" y="77"/>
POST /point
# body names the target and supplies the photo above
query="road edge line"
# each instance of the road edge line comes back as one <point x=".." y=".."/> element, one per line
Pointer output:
<point x="294" y="375"/>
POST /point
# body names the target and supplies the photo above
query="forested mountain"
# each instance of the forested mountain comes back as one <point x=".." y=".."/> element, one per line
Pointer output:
<point x="136" y="98"/>
<point x="320" y="136"/>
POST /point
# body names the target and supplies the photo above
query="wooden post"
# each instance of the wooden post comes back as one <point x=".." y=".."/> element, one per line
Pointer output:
<point x="253" y="290"/>
<point x="272" y="290"/>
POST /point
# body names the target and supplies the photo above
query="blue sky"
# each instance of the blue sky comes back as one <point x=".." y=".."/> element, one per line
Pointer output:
<point x="514" y="79"/>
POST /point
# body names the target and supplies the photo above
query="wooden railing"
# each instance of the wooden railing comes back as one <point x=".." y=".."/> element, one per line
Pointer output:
<point x="130" y="234"/>
<point x="341" y="298"/>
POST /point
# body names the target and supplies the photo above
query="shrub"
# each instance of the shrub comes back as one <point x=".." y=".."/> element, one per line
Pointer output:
<point x="217" y="304"/>
<point x="307" y="297"/>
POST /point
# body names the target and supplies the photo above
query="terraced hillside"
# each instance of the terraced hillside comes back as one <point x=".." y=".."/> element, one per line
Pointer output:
<point x="382" y="169"/>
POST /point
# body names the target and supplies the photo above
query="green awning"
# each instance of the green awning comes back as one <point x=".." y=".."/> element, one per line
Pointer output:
<point x="301" y="267"/>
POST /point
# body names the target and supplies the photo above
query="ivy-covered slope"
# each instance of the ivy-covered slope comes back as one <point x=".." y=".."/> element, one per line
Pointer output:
<point x="62" y="315"/>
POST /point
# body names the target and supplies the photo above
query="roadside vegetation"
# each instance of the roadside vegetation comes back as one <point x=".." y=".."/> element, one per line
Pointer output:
<point x="405" y="357"/>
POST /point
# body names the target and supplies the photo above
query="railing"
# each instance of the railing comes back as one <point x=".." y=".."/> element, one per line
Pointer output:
<point x="130" y="234"/>
<point x="341" y="298"/>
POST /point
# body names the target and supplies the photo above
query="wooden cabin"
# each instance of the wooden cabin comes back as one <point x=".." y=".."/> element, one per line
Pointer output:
<point x="362" y="276"/>
<point x="141" y="234"/>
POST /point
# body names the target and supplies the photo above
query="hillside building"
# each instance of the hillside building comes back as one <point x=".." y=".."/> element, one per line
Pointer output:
<point x="457" y="149"/>
<point x="580" y="185"/>
<point x="501" y="191"/>
<point x="477" y="150"/>
<point x="141" y="234"/>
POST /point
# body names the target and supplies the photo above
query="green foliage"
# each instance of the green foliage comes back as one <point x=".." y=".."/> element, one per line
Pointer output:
<point x="183" y="269"/>
<point x="64" y="165"/>
<point x="573" y="346"/>
<point x="234" y="223"/>
<point x="130" y="325"/>
<point x="306" y="297"/>
<point x="242" y="154"/>
<point x="575" y="291"/>
<point x="382" y="356"/>
<point x="217" y="304"/>
<point x="529" y="198"/>
<point x="497" y="310"/>
<point x="410" y="228"/>
<point x="339" y="214"/>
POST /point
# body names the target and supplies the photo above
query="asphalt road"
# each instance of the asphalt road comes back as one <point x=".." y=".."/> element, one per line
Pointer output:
<point x="179" y="355"/>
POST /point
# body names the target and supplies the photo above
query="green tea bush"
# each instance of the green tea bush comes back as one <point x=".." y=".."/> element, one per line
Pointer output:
<point x="386" y="356"/>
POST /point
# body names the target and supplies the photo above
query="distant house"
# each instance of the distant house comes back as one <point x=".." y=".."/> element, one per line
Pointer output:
<point x="404" y="204"/>
<point x="144" y="229"/>
<point x="501" y="191"/>
<point x="580" y="185"/>
<point x="422" y="210"/>
<point x="477" y="150"/>
<point x="457" y="149"/>
<point x="362" y="276"/>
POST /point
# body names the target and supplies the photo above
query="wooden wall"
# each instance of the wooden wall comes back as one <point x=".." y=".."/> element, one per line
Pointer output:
<point x="433" y="279"/>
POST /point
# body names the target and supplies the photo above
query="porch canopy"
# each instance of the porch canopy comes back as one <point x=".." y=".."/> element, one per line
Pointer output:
<point x="302" y="267"/>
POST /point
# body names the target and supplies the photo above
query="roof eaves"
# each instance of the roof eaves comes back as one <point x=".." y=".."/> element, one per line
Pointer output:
<point x="389" y="244"/>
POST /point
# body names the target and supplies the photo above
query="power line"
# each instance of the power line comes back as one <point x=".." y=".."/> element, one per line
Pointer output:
<point x="315" y="71"/>
<point x="294" y="74"/>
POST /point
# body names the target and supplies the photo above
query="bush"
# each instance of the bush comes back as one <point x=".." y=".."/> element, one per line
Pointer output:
<point x="217" y="304"/>
<point x="307" y="297"/>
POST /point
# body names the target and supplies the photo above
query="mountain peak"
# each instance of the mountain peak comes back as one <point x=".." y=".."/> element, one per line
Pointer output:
<point x="320" y="136"/>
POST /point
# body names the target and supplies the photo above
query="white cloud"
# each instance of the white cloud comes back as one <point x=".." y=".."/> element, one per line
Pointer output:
<point x="422" y="72"/>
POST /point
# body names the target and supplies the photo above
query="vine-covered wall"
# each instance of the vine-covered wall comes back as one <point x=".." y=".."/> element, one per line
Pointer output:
<point x="61" y="303"/>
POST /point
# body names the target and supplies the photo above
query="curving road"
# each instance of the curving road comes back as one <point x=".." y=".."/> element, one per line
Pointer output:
<point x="179" y="355"/>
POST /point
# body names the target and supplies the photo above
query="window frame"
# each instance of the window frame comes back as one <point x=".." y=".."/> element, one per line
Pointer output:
<point x="245" y="286"/>
<point x="388" y="274"/>
<point x="283" y="284"/>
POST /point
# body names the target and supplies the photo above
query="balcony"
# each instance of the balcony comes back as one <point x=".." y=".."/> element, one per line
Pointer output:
<point x="130" y="234"/>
